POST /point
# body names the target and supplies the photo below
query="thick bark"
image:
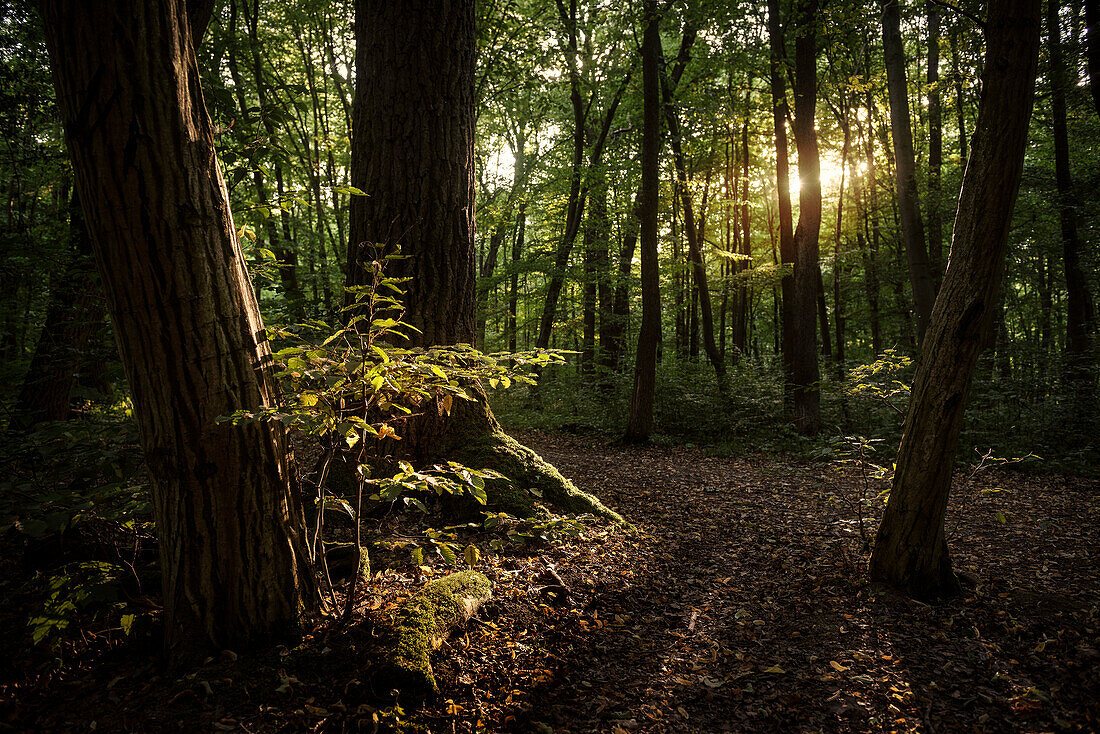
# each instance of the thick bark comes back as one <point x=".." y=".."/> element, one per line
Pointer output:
<point x="413" y="156"/>
<point x="905" y="167"/>
<point x="910" y="549"/>
<point x="805" y="373"/>
<point x="640" y="424"/>
<point x="189" y="332"/>
<point x="783" y="188"/>
<point x="1079" y="311"/>
<point x="412" y="153"/>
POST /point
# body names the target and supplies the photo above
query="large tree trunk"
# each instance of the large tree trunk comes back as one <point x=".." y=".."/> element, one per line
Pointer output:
<point x="189" y="333"/>
<point x="645" y="367"/>
<point x="413" y="155"/>
<point x="905" y="167"/>
<point x="910" y="549"/>
<point x="807" y="274"/>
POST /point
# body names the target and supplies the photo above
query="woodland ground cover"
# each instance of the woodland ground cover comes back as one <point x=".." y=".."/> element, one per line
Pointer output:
<point x="737" y="602"/>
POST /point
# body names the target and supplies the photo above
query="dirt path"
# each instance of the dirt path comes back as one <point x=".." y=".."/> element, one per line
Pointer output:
<point x="742" y="607"/>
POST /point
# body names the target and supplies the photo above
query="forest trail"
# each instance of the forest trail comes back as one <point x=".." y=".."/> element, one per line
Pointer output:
<point x="739" y="607"/>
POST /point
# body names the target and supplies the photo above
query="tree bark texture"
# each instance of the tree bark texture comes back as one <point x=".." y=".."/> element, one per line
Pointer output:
<point x="910" y="548"/>
<point x="413" y="156"/>
<point x="905" y="167"/>
<point x="189" y="332"/>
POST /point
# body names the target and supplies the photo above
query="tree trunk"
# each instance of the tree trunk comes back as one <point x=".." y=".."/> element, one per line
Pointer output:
<point x="910" y="549"/>
<point x="1092" y="20"/>
<point x="807" y="272"/>
<point x="905" y="167"/>
<point x="230" y="525"/>
<point x="1079" y="312"/>
<point x="645" y="367"/>
<point x="413" y="155"/>
<point x="701" y="299"/>
<point x="783" y="188"/>
<point x="935" y="144"/>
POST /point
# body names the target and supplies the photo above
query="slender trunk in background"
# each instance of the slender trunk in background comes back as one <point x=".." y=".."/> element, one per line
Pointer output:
<point x="744" y="290"/>
<point x="1079" y="373"/>
<point x="504" y="225"/>
<point x="910" y="549"/>
<point x="777" y="62"/>
<point x="1092" y="20"/>
<point x="640" y="424"/>
<point x="282" y="247"/>
<point x="75" y="314"/>
<point x="513" y="285"/>
<point x="620" y="309"/>
<point x="230" y="524"/>
<point x="807" y="267"/>
<point x="905" y="167"/>
<point x="935" y="144"/>
<point x="701" y="305"/>
<point x="823" y="315"/>
<point x="838" y="269"/>
<point x="960" y="100"/>
<point x="578" y="193"/>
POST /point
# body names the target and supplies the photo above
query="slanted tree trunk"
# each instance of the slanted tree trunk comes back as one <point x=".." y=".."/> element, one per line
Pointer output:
<point x="905" y="167"/>
<point x="807" y="273"/>
<point x="910" y="549"/>
<point x="640" y="424"/>
<point x="230" y="525"/>
<point x="413" y="155"/>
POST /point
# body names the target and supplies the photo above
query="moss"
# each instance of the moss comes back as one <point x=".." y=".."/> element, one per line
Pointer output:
<point x="526" y="470"/>
<point x="426" y="619"/>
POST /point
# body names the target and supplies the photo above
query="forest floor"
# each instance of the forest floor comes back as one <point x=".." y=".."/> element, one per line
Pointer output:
<point x="737" y="603"/>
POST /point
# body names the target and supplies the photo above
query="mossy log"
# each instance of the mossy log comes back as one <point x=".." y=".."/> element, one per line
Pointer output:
<point x="426" y="620"/>
<point x="470" y="434"/>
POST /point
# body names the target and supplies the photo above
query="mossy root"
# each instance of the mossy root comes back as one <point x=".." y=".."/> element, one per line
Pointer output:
<point x="425" y="621"/>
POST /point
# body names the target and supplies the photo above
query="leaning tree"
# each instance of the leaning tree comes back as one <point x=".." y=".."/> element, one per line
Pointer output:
<point x="910" y="548"/>
<point x="412" y="154"/>
<point x="192" y="343"/>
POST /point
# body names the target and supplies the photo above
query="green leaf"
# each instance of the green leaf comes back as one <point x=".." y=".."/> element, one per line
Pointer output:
<point x="471" y="555"/>
<point x="448" y="553"/>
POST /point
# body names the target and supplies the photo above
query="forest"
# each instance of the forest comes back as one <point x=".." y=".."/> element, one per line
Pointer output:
<point x="555" y="367"/>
